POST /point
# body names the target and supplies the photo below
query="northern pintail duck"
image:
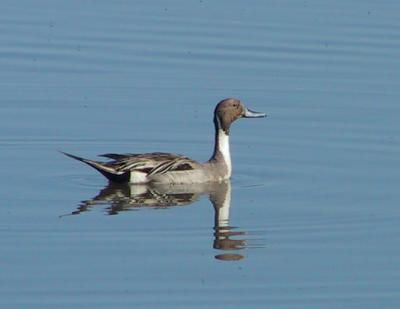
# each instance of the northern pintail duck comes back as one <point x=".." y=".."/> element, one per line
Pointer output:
<point x="160" y="167"/>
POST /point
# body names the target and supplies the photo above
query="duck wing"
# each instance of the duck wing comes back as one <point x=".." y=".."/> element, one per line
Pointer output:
<point x="150" y="163"/>
<point x="121" y="166"/>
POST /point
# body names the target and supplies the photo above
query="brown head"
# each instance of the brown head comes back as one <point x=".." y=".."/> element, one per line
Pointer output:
<point x="229" y="110"/>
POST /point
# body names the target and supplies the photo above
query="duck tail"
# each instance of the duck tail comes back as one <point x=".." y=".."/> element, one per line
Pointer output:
<point x="110" y="173"/>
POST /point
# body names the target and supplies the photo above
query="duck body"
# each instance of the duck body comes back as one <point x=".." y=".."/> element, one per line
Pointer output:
<point x="156" y="167"/>
<point x="168" y="168"/>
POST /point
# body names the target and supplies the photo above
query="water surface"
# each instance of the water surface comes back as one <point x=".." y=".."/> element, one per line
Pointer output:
<point x="313" y="203"/>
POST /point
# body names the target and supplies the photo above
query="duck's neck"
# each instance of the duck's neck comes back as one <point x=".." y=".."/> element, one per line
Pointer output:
<point x="221" y="148"/>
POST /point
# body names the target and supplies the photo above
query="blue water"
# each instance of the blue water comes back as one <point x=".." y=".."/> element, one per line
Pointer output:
<point x="314" y="217"/>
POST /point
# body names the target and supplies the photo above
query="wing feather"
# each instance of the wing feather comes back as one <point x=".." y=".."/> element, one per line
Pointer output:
<point x="122" y="166"/>
<point x="150" y="163"/>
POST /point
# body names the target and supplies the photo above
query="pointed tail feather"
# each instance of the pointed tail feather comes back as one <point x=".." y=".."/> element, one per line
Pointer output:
<point x="107" y="171"/>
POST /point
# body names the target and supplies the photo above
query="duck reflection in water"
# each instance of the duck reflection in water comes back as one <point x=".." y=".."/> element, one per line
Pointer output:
<point x="123" y="197"/>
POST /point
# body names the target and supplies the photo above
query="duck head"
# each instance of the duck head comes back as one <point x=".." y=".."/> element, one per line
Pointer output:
<point x="229" y="110"/>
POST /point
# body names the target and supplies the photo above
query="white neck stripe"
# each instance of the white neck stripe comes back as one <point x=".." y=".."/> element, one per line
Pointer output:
<point x="223" y="147"/>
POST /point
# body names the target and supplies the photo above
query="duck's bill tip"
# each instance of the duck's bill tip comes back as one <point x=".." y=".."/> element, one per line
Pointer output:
<point x="252" y="114"/>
